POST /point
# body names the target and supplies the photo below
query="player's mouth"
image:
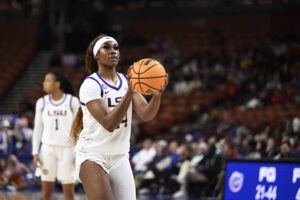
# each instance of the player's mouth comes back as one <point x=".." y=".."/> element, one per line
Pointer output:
<point x="113" y="58"/>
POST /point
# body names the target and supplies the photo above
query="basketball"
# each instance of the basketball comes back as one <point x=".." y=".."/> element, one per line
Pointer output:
<point x="148" y="76"/>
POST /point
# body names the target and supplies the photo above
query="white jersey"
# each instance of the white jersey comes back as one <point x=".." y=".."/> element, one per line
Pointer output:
<point x="53" y="121"/>
<point x="94" y="137"/>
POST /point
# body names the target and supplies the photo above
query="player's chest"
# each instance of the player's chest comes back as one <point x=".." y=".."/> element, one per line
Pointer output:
<point x="112" y="96"/>
<point x="56" y="111"/>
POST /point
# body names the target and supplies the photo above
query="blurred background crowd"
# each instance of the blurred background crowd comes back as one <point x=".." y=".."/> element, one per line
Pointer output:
<point x="234" y="82"/>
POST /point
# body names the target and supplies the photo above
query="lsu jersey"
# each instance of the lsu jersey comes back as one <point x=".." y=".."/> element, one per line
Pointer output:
<point x="94" y="137"/>
<point x="57" y="120"/>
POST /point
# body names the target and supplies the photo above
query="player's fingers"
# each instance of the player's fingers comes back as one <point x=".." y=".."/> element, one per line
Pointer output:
<point x="129" y="70"/>
<point x="166" y="80"/>
<point x="163" y="87"/>
<point x="131" y="86"/>
<point x="39" y="161"/>
<point x="36" y="163"/>
<point x="129" y="76"/>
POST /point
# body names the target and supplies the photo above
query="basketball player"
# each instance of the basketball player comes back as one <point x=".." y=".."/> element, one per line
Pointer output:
<point x="54" y="115"/>
<point x="103" y="124"/>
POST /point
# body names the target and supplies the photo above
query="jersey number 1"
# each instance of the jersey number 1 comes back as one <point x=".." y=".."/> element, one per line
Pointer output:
<point x="56" y="124"/>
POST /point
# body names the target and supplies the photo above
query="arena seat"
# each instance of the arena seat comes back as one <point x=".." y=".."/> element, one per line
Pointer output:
<point x="17" y="46"/>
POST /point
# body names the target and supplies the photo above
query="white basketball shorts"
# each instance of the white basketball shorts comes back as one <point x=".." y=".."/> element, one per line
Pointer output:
<point x="57" y="162"/>
<point x="119" y="170"/>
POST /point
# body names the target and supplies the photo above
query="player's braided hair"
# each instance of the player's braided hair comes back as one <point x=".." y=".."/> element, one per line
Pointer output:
<point x="91" y="66"/>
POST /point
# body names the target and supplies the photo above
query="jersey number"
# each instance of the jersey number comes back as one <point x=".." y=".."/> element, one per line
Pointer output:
<point x="110" y="104"/>
<point x="124" y="121"/>
<point x="56" y="124"/>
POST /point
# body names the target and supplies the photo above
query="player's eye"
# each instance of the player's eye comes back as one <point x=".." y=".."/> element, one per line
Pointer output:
<point x="117" y="47"/>
<point x="106" y="47"/>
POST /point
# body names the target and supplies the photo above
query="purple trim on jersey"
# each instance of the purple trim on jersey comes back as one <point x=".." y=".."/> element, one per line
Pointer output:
<point x="98" y="84"/>
<point x="59" y="103"/>
<point x="43" y="104"/>
<point x="71" y="103"/>
<point x="106" y="83"/>
<point x="125" y="76"/>
<point x="82" y="103"/>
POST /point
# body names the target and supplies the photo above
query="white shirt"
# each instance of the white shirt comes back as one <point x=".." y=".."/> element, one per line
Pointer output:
<point x="53" y="121"/>
<point x="3" y="141"/>
<point x="94" y="137"/>
<point x="142" y="158"/>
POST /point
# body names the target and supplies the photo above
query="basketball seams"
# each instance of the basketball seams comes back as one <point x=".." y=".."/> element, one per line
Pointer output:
<point x="149" y="86"/>
<point x="147" y="63"/>
<point x="134" y="68"/>
<point x="149" y="68"/>
<point x="150" y="77"/>
<point x="156" y="64"/>
<point x="139" y="76"/>
<point x="135" y="84"/>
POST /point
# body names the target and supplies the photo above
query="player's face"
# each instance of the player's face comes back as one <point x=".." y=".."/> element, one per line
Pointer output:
<point x="50" y="83"/>
<point x="109" y="54"/>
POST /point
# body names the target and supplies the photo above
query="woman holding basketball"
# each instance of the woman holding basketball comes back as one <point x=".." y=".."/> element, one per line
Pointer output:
<point x="103" y="124"/>
<point x="54" y="115"/>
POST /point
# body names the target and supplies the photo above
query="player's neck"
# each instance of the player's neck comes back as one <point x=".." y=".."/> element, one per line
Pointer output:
<point x="56" y="96"/>
<point x="108" y="74"/>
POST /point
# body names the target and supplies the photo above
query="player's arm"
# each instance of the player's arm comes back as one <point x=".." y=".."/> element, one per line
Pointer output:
<point x="37" y="131"/>
<point x="75" y="106"/>
<point x="147" y="111"/>
<point x="90" y="95"/>
<point x="109" y="120"/>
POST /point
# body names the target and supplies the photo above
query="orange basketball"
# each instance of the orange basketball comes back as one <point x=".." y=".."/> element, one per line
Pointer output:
<point x="148" y="76"/>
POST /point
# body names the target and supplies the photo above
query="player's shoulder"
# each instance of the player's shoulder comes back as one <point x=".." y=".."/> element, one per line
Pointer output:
<point x="43" y="98"/>
<point x="40" y="103"/>
<point x="93" y="78"/>
<point x="73" y="97"/>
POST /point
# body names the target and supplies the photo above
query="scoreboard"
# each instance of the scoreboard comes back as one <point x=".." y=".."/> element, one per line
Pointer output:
<point x="262" y="180"/>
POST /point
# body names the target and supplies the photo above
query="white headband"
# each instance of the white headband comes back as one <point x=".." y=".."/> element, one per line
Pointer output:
<point x="100" y="42"/>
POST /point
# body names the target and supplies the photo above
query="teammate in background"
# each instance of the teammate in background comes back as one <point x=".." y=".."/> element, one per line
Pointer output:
<point x="54" y="115"/>
<point x="103" y="124"/>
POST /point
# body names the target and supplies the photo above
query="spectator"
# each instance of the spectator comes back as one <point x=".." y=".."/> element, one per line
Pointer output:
<point x="195" y="84"/>
<point x="3" y="177"/>
<point x="151" y="179"/>
<point x="164" y="168"/>
<point x="251" y="151"/>
<point x="181" y="86"/>
<point x="261" y="148"/>
<point x="271" y="150"/>
<point x="5" y="133"/>
<point x="205" y="174"/>
<point x="188" y="168"/>
<point x="296" y="125"/>
<point x="18" y="173"/>
<point x="229" y="152"/>
<point x="141" y="161"/>
<point x="286" y="151"/>
<point x="21" y="137"/>
<point x="171" y="160"/>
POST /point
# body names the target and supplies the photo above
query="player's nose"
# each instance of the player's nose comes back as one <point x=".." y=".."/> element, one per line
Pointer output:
<point x="113" y="51"/>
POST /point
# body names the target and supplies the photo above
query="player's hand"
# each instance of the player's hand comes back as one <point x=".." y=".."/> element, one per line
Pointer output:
<point x="164" y="86"/>
<point x="36" y="161"/>
<point x="130" y="88"/>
